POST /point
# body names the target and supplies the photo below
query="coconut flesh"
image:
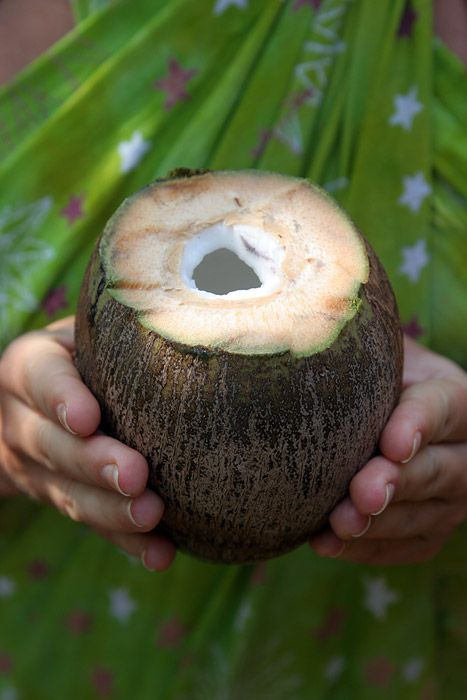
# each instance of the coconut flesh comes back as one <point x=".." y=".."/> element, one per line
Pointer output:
<point x="240" y="333"/>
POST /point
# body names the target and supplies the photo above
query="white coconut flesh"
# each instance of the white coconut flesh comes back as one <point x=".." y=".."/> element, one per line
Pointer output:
<point x="246" y="262"/>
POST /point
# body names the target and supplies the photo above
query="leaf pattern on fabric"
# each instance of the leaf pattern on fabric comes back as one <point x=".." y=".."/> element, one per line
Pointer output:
<point x="21" y="251"/>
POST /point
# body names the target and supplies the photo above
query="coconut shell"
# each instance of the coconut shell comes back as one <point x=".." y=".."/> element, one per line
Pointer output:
<point x="249" y="453"/>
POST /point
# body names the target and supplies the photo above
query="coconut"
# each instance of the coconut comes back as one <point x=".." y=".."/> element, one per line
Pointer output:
<point x="239" y="332"/>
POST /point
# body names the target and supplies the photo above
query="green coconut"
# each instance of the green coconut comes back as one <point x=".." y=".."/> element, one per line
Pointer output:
<point x="239" y="332"/>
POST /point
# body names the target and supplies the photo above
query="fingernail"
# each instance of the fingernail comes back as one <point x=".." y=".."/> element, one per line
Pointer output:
<point x="145" y="563"/>
<point x="62" y="417"/>
<point x="110" y="474"/>
<point x="415" y="447"/>
<point x="390" y="491"/>
<point x="145" y="510"/>
<point x="365" y="529"/>
<point x="131" y="516"/>
<point x="340" y="551"/>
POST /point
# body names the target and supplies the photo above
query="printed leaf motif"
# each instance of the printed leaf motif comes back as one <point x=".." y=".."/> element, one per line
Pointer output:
<point x="267" y="673"/>
<point x="21" y="249"/>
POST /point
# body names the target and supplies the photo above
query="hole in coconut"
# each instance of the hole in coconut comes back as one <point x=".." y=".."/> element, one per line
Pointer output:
<point x="222" y="272"/>
<point x="235" y="262"/>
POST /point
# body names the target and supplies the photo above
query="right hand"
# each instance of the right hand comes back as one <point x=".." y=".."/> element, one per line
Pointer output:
<point x="50" y="451"/>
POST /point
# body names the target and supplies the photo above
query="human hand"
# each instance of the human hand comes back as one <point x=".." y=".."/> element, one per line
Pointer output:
<point x="404" y="504"/>
<point x="49" y="448"/>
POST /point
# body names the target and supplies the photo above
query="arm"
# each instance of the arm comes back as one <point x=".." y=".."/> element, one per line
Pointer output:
<point x="27" y="28"/>
<point x="451" y="25"/>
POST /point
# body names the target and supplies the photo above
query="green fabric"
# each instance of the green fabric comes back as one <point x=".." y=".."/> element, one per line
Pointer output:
<point x="82" y="9"/>
<point x="357" y="96"/>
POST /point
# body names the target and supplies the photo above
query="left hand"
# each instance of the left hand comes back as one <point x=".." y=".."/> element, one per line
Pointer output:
<point x="405" y="504"/>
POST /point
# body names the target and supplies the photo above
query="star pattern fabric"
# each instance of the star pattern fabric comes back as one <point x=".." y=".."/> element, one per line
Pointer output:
<point x="334" y="668"/>
<point x="9" y="693"/>
<point x="416" y="189"/>
<point x="122" y="605"/>
<point x="303" y="3"/>
<point x="74" y="209"/>
<point x="222" y="5"/>
<point x="378" y="596"/>
<point x="175" y="84"/>
<point x="7" y="587"/>
<point x="415" y="259"/>
<point x="406" y="107"/>
<point x="132" y="151"/>
<point x="413" y="669"/>
<point x="248" y="85"/>
<point x="408" y="20"/>
<point x="55" y="301"/>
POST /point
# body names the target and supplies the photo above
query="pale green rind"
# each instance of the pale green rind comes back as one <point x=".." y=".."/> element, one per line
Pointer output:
<point x="354" y="298"/>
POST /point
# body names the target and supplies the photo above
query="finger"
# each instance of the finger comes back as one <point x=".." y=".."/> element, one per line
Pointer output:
<point x="155" y="551"/>
<point x="374" y="486"/>
<point x="431" y="411"/>
<point x="437" y="471"/>
<point x="404" y="520"/>
<point x="38" y="369"/>
<point x="376" y="552"/>
<point x="421" y="364"/>
<point x="63" y="331"/>
<point x="87" y="504"/>
<point x="98" y="460"/>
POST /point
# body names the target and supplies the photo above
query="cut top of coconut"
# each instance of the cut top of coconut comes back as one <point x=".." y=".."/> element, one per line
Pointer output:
<point x="245" y="262"/>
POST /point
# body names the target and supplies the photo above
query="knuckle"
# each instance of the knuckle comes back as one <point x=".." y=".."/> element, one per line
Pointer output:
<point x="434" y="471"/>
<point x="8" y="432"/>
<point x="8" y="358"/>
<point x="67" y="504"/>
<point x="411" y="519"/>
<point x="43" y="443"/>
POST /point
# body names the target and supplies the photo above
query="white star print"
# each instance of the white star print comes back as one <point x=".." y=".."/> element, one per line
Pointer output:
<point x="334" y="668"/>
<point x="132" y="151"/>
<point x="7" y="587"/>
<point x="121" y="604"/>
<point x="378" y="596"/>
<point x="222" y="5"/>
<point x="416" y="188"/>
<point x="9" y="693"/>
<point x="243" y="615"/>
<point x="415" y="258"/>
<point x="406" y="107"/>
<point x="413" y="669"/>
